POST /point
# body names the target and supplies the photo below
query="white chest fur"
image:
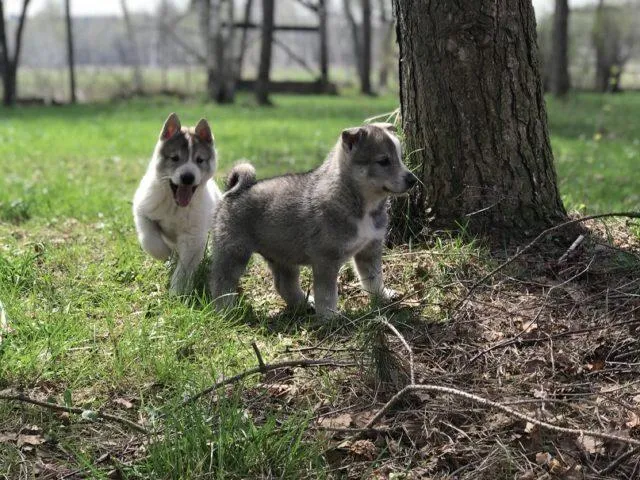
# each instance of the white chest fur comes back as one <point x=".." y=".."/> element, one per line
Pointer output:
<point x="367" y="231"/>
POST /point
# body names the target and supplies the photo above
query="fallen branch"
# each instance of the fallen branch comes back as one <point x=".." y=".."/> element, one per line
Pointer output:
<point x="264" y="368"/>
<point x="395" y="331"/>
<point x="490" y="403"/>
<point x="536" y="240"/>
<point x="79" y="411"/>
<point x="573" y="246"/>
<point x="616" y="463"/>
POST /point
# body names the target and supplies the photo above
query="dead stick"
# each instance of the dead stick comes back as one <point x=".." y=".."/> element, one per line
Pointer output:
<point x="573" y="246"/>
<point x="499" y="406"/>
<point x="267" y="368"/>
<point x="257" y="352"/>
<point x="406" y="346"/>
<point x="616" y="463"/>
<point x="536" y="240"/>
<point x="79" y="411"/>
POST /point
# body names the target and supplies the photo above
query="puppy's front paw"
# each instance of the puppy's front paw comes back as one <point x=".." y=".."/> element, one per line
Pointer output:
<point x="389" y="295"/>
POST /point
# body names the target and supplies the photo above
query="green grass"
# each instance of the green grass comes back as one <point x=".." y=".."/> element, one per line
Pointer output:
<point x="89" y="311"/>
<point x="596" y="144"/>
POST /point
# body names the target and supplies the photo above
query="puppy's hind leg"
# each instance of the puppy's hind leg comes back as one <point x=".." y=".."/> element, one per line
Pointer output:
<point x="150" y="238"/>
<point x="227" y="267"/>
<point x="286" y="279"/>
<point x="368" y="263"/>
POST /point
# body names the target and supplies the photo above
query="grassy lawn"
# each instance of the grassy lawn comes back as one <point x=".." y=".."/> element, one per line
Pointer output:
<point x="91" y="324"/>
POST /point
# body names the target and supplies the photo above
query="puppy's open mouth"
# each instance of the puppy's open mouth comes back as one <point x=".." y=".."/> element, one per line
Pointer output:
<point x="182" y="194"/>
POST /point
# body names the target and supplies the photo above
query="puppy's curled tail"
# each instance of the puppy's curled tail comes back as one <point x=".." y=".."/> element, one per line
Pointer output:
<point x="241" y="177"/>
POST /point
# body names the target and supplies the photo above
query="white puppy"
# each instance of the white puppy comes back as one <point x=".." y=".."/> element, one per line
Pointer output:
<point x="173" y="206"/>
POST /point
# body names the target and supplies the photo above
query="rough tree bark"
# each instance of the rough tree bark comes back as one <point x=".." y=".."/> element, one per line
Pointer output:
<point x="560" y="82"/>
<point x="474" y="119"/>
<point x="70" y="53"/>
<point x="10" y="64"/>
<point x="264" y="70"/>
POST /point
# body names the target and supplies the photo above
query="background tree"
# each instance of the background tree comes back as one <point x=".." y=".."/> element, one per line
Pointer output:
<point x="262" y="82"/>
<point x="361" y="40"/>
<point x="615" y="36"/>
<point x="216" y="18"/>
<point x="387" y="59"/>
<point x="133" y="50"/>
<point x="9" y="65"/>
<point x="474" y="118"/>
<point x="70" y="56"/>
<point x="560" y="82"/>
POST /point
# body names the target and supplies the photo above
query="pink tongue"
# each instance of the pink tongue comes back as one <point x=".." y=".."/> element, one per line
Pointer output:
<point x="184" y="194"/>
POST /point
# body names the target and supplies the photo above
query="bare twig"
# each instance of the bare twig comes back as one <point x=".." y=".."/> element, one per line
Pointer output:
<point x="404" y="344"/>
<point x="616" y="463"/>
<point x="536" y="240"/>
<point x="490" y="403"/>
<point x="324" y="362"/>
<point x="79" y="411"/>
<point x="573" y="246"/>
<point x="258" y="355"/>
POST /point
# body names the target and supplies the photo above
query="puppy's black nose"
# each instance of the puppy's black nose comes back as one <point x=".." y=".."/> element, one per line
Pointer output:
<point x="411" y="179"/>
<point x="187" y="178"/>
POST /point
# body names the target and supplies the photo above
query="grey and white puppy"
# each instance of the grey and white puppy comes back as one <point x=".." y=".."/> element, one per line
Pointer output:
<point x="321" y="218"/>
<point x="173" y="205"/>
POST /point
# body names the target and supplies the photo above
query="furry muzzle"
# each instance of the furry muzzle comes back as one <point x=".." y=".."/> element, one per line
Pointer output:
<point x="182" y="194"/>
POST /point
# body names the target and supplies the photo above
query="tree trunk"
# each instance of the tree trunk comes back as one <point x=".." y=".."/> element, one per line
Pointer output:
<point x="10" y="85"/>
<point x="324" y="45"/>
<point x="474" y="119"/>
<point x="559" y="55"/>
<point x="262" y="83"/>
<point x="386" y="52"/>
<point x="365" y="81"/>
<point x="4" y="54"/>
<point x="10" y="65"/>
<point x="133" y="44"/>
<point x="70" y="56"/>
<point x="244" y="38"/>
<point x="355" y="37"/>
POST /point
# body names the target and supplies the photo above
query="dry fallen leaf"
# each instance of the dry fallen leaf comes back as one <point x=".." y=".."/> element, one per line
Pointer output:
<point x="543" y="458"/>
<point x="8" y="437"/>
<point x="124" y="402"/>
<point x="365" y="449"/>
<point x="33" y="440"/>
<point x="590" y="444"/>
<point x="634" y="420"/>
<point x="339" y="421"/>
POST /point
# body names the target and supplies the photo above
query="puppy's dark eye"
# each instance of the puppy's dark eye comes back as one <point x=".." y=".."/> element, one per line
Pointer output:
<point x="175" y="158"/>
<point x="384" y="162"/>
<point x="199" y="160"/>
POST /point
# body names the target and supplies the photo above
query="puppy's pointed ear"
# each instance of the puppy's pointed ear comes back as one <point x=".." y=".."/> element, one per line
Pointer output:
<point x="351" y="137"/>
<point x="203" y="131"/>
<point x="171" y="127"/>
